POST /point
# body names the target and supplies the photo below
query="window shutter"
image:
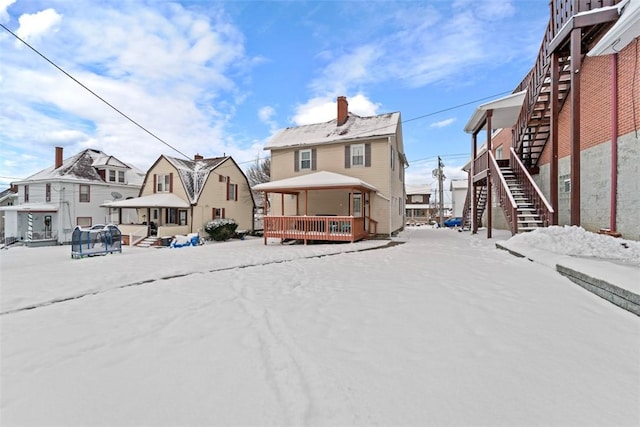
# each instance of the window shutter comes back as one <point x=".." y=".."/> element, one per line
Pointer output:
<point x="347" y="156"/>
<point x="296" y="160"/>
<point x="213" y="213"/>
<point x="367" y="155"/>
<point x="313" y="159"/>
<point x="171" y="182"/>
<point x="227" y="188"/>
<point x="155" y="182"/>
<point x="222" y="216"/>
<point x="220" y="178"/>
<point x="236" y="193"/>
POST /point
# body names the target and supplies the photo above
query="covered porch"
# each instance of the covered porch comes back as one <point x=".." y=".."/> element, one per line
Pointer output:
<point x="159" y="215"/>
<point x="321" y="206"/>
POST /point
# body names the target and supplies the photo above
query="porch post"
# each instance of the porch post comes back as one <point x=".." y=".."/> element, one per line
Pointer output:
<point x="472" y="187"/>
<point x="576" y="52"/>
<point x="553" y="139"/>
<point x="264" y="214"/>
<point x="306" y="202"/>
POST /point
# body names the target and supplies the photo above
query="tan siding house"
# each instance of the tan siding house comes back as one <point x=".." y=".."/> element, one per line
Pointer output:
<point x="180" y="196"/>
<point x="351" y="168"/>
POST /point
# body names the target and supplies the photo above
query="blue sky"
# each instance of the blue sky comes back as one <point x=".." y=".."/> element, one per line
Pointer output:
<point x="221" y="77"/>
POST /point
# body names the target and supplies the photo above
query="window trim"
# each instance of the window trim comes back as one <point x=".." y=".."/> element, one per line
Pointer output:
<point x="163" y="180"/>
<point x="88" y="194"/>
<point x="352" y="149"/>
<point x="47" y="192"/>
<point x="302" y="160"/>
<point x="26" y="193"/>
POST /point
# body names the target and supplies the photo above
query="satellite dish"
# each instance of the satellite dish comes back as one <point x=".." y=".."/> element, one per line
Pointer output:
<point x="116" y="195"/>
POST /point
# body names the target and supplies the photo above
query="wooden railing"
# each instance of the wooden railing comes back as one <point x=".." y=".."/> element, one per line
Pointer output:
<point x="501" y="188"/>
<point x="330" y="228"/>
<point x="480" y="166"/>
<point x="531" y="189"/>
<point x="561" y="12"/>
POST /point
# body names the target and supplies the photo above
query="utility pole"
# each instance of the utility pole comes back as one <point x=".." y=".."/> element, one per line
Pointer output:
<point x="439" y="173"/>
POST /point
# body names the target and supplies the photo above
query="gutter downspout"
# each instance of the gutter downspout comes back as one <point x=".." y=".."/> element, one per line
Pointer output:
<point x="614" y="142"/>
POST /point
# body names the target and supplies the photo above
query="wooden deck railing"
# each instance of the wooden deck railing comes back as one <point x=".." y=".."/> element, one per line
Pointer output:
<point x="531" y="189"/>
<point x="501" y="188"/>
<point x="480" y="166"/>
<point x="329" y="228"/>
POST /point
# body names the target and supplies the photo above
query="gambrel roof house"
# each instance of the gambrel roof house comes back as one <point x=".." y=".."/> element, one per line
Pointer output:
<point x="179" y="196"/>
<point x="52" y="202"/>
<point x="348" y="173"/>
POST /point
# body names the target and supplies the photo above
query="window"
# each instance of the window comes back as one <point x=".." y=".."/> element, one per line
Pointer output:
<point x="84" y="193"/>
<point x="499" y="153"/>
<point x="393" y="159"/>
<point x="183" y="217"/>
<point x="222" y="178"/>
<point x="121" y="177"/>
<point x="357" y="204"/>
<point x="232" y="191"/>
<point x="26" y="194"/>
<point x="217" y="213"/>
<point x="154" y="214"/>
<point x="84" y="221"/>
<point x="112" y="175"/>
<point x="567" y="186"/>
<point x="417" y="198"/>
<point x="163" y="183"/>
<point x="357" y="155"/>
<point x="47" y="192"/>
<point x="172" y="216"/>
<point x="305" y="159"/>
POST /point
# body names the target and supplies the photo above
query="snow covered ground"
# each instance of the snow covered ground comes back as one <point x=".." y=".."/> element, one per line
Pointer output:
<point x="443" y="329"/>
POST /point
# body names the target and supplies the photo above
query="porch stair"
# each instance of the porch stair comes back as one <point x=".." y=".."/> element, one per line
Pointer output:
<point x="527" y="217"/>
<point x="148" y="242"/>
<point x="481" y="197"/>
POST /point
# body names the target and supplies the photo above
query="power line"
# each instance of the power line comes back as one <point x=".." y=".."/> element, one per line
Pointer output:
<point x="93" y="93"/>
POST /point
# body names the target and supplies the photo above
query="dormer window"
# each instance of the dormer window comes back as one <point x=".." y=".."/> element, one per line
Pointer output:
<point x="116" y="176"/>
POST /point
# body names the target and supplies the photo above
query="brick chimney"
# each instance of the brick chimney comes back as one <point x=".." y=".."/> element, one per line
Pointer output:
<point x="197" y="157"/>
<point x="343" y="110"/>
<point x="58" y="157"/>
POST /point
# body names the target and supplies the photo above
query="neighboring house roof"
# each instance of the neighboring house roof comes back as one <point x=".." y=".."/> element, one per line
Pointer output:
<point x="418" y="189"/>
<point x="316" y="180"/>
<point x="356" y="127"/>
<point x="194" y="173"/>
<point x="82" y="167"/>
<point x="7" y="194"/>
<point x="417" y="206"/>
<point x="157" y="200"/>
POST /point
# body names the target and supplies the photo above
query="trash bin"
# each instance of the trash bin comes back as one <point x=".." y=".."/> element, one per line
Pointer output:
<point x="166" y="241"/>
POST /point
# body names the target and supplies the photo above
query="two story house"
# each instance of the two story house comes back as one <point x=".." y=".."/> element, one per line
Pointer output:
<point x="342" y="180"/>
<point x="179" y="196"/>
<point x="52" y="202"/>
<point x="419" y="210"/>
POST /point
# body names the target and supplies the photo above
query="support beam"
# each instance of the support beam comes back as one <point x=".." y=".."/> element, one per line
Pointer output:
<point x="553" y="138"/>
<point x="489" y="208"/>
<point x="576" y="58"/>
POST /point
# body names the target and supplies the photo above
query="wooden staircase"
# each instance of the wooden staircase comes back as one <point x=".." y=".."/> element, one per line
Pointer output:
<point x="527" y="217"/>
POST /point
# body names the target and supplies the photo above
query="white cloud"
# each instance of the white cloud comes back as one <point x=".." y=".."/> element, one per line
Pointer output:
<point x="266" y="113"/>
<point x="442" y="123"/>
<point x="323" y="109"/>
<point x="33" y="26"/>
<point x="4" y="5"/>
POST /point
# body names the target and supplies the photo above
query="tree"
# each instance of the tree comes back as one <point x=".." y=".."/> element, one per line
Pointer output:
<point x="258" y="173"/>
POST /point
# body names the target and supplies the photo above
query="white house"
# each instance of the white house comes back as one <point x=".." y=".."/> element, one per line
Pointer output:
<point x="52" y="202"/>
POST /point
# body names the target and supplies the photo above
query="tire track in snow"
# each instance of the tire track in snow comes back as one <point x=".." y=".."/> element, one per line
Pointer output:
<point x="149" y="281"/>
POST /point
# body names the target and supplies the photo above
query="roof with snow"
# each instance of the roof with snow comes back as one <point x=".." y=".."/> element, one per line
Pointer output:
<point x="356" y="127"/>
<point x="194" y="173"/>
<point x="8" y="194"/>
<point x="459" y="184"/>
<point x="83" y="167"/>
<point x="417" y="189"/>
<point x="316" y="180"/>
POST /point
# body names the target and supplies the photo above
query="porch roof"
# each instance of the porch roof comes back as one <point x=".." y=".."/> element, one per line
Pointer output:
<point x="623" y="32"/>
<point x="314" y="181"/>
<point x="31" y="207"/>
<point x="505" y="113"/>
<point x="158" y="200"/>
